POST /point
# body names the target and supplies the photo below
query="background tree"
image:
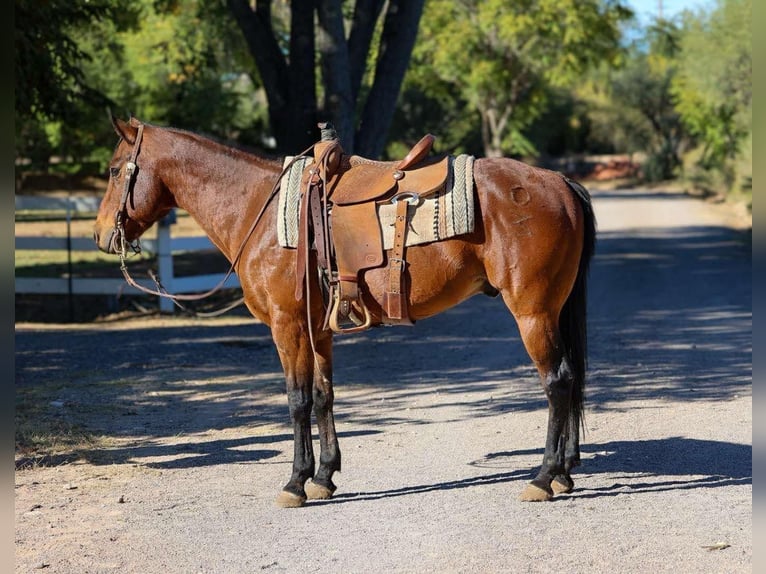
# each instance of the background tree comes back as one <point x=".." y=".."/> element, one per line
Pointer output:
<point x="517" y="77"/>
<point x="284" y="50"/>
<point x="51" y="85"/>
<point x="170" y="62"/>
<point x="48" y="60"/>
<point x="504" y="56"/>
<point x="644" y="85"/>
<point x="713" y="88"/>
<point x="631" y="108"/>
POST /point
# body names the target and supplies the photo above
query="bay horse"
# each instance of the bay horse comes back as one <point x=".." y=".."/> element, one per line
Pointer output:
<point x="532" y="243"/>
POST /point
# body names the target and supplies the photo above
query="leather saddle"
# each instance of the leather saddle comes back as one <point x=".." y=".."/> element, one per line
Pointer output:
<point x="339" y="220"/>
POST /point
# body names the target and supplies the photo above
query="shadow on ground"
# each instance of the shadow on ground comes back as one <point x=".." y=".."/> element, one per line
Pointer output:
<point x="642" y="466"/>
<point x="670" y="318"/>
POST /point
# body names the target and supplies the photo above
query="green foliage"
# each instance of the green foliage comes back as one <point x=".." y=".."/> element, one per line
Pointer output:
<point x="49" y="76"/>
<point x="631" y="108"/>
<point x="52" y="87"/>
<point x="429" y="105"/>
<point x="177" y="63"/>
<point x="713" y="89"/>
<point x="513" y="77"/>
<point x="612" y="125"/>
<point x="504" y="56"/>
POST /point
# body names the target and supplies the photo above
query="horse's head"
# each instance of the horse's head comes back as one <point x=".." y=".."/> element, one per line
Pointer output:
<point x="136" y="196"/>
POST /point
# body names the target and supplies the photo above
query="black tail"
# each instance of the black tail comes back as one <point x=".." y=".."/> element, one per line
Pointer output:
<point x="573" y="319"/>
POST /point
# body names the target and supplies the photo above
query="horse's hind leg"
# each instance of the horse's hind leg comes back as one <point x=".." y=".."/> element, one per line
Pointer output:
<point x="563" y="482"/>
<point x="322" y="486"/>
<point x="541" y="338"/>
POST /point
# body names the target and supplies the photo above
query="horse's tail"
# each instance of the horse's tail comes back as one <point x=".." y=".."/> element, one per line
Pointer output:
<point x="573" y="318"/>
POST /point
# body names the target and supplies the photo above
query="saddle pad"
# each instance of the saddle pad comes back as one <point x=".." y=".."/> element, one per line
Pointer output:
<point x="442" y="215"/>
<point x="447" y="213"/>
<point x="289" y="201"/>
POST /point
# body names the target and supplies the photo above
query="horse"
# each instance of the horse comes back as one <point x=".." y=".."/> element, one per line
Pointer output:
<point x="532" y="242"/>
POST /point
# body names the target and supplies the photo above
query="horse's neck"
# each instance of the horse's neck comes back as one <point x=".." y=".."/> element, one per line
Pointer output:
<point x="222" y="189"/>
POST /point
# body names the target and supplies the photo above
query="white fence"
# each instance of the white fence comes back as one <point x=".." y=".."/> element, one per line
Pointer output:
<point x="164" y="246"/>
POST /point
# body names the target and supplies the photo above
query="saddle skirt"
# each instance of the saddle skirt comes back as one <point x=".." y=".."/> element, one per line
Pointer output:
<point x="446" y="213"/>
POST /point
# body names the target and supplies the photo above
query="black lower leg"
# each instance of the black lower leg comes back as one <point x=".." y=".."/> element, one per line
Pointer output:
<point x="558" y="389"/>
<point x="300" y="403"/>
<point x="329" y="458"/>
<point x="571" y="454"/>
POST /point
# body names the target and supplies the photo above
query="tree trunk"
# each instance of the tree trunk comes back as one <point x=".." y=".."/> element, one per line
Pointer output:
<point x="491" y="133"/>
<point x="398" y="38"/>
<point x="336" y="71"/>
<point x="289" y="89"/>
<point x="366" y="14"/>
<point x="301" y="124"/>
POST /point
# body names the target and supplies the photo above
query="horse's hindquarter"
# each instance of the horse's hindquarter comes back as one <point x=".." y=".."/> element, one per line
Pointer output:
<point x="534" y="227"/>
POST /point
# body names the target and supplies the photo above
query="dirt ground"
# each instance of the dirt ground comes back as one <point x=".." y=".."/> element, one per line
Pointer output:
<point x="172" y="438"/>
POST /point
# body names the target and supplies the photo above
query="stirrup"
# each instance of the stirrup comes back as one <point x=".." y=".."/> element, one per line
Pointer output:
<point x="334" y="312"/>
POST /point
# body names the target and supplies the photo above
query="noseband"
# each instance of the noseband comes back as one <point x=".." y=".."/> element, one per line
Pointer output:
<point x="122" y="212"/>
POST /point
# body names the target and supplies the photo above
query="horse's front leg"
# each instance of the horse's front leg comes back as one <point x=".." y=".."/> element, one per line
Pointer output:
<point x="294" y="348"/>
<point x="322" y="485"/>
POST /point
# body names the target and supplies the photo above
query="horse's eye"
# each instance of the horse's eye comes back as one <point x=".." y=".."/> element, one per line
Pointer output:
<point x="114" y="172"/>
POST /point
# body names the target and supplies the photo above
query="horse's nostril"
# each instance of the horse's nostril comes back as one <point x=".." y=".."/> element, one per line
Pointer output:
<point x="107" y="243"/>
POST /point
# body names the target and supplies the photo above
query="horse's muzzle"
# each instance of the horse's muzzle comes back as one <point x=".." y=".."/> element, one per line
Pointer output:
<point x="106" y="242"/>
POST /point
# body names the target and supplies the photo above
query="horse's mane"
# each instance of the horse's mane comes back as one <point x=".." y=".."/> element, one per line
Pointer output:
<point x="256" y="152"/>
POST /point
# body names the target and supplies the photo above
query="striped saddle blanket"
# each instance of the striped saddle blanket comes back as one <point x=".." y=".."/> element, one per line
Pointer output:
<point x="441" y="215"/>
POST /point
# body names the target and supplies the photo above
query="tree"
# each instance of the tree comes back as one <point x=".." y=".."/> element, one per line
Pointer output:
<point x="284" y="49"/>
<point x="48" y="61"/>
<point x="713" y="87"/>
<point x="645" y="86"/>
<point x="503" y="56"/>
<point x="51" y="85"/>
<point x="169" y="62"/>
<point x="184" y="65"/>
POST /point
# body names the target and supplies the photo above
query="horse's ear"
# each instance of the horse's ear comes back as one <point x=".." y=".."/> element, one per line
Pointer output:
<point x="126" y="130"/>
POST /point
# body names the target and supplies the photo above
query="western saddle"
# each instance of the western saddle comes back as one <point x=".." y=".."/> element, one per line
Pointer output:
<point x="338" y="219"/>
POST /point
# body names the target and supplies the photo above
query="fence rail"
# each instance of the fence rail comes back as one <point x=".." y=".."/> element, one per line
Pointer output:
<point x="164" y="246"/>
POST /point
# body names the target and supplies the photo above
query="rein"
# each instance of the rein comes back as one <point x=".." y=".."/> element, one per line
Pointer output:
<point x="122" y="215"/>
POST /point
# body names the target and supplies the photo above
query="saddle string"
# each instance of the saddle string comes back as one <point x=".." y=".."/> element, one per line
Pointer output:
<point x="130" y="169"/>
<point x="318" y="180"/>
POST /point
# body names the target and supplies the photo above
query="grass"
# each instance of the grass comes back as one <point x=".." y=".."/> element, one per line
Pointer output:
<point x="47" y="263"/>
<point x="45" y="434"/>
<point x="51" y="430"/>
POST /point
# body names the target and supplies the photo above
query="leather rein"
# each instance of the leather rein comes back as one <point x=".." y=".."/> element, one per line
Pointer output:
<point x="123" y="244"/>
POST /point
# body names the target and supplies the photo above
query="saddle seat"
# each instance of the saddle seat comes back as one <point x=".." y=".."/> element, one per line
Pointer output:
<point x="344" y="195"/>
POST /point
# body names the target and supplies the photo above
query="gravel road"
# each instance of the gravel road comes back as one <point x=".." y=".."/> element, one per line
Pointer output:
<point x="440" y="427"/>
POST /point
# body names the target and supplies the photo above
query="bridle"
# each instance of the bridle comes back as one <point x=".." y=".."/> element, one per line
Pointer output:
<point x="121" y="216"/>
<point x="122" y="211"/>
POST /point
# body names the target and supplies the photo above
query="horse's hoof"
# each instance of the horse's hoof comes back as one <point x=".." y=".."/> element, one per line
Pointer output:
<point x="533" y="493"/>
<point x="287" y="499"/>
<point x="562" y="485"/>
<point x="316" y="491"/>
